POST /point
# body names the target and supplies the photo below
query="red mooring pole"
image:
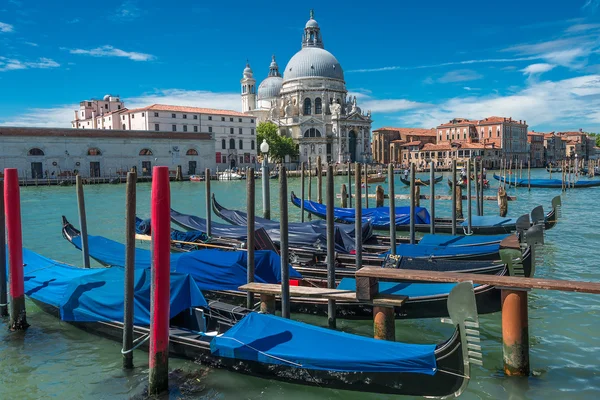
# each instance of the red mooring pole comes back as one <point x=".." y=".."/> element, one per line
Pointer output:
<point x="12" y="201"/>
<point x="161" y="276"/>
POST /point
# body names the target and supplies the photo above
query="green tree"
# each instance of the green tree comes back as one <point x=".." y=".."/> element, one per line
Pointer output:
<point x="279" y="146"/>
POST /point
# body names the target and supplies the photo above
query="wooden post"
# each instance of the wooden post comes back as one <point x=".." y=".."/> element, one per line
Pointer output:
<point x="302" y="192"/>
<point x="515" y="332"/>
<point x="392" y="201"/>
<point x="458" y="205"/>
<point x="319" y="180"/>
<point x="478" y="203"/>
<point x="208" y="209"/>
<point x="379" y="195"/>
<point x="412" y="203"/>
<point x="309" y="185"/>
<point x="3" y="271"/>
<point x="12" y="202"/>
<point x="267" y="303"/>
<point x="417" y="196"/>
<point x="366" y="186"/>
<point x="358" y="217"/>
<point x="384" y="326"/>
<point x="331" y="308"/>
<point x="344" y="196"/>
<point x="469" y="208"/>
<point x="349" y="184"/>
<point x="251" y="210"/>
<point x="130" y="205"/>
<point x="454" y="198"/>
<point x="432" y="198"/>
<point x="179" y="174"/>
<point x="283" y="243"/>
<point x="481" y="186"/>
<point x="550" y="170"/>
<point x="502" y="201"/>
<point x="161" y="281"/>
<point x="82" y="222"/>
<point x="529" y="175"/>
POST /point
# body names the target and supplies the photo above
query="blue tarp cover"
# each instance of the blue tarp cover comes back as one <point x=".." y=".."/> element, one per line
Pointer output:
<point x="449" y="240"/>
<point x="425" y="250"/>
<point x="274" y="340"/>
<point x="409" y="289"/>
<point x="489" y="220"/>
<point x="379" y="216"/>
<point x="211" y="269"/>
<point x="91" y="295"/>
<point x="547" y="183"/>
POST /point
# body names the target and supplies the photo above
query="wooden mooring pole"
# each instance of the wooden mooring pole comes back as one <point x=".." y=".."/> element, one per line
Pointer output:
<point x="161" y="281"/>
<point x="366" y="186"/>
<point x="302" y="178"/>
<point x="469" y="200"/>
<point x="358" y="216"/>
<point x="130" y="205"/>
<point x="283" y="243"/>
<point x="208" y="209"/>
<point x="379" y="196"/>
<point x="251" y="210"/>
<point x="309" y="185"/>
<point x="85" y="251"/>
<point x="477" y="194"/>
<point x="331" y="306"/>
<point x="12" y="203"/>
<point x="3" y="271"/>
<point x="392" y="201"/>
<point x="454" y="197"/>
<point x="344" y="196"/>
<point x="412" y="203"/>
<point x="319" y="180"/>
<point x="432" y="198"/>
<point x="349" y="184"/>
<point x="515" y="332"/>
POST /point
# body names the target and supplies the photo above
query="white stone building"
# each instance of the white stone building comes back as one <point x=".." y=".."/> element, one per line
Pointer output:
<point x="310" y="103"/>
<point x="234" y="132"/>
<point x="52" y="153"/>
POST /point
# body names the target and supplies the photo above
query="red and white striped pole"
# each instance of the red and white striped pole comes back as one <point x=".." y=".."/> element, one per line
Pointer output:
<point x="12" y="202"/>
<point x="161" y="279"/>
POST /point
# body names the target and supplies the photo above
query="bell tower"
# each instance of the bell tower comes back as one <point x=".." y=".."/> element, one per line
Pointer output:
<point x="248" y="89"/>
<point x="312" y="33"/>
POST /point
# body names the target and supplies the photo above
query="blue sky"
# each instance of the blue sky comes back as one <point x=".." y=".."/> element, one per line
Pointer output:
<point x="414" y="64"/>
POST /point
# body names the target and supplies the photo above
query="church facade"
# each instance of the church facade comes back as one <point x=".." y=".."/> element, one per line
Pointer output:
<point x="310" y="103"/>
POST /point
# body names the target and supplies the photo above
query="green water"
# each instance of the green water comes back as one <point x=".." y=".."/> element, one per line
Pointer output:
<point x="55" y="360"/>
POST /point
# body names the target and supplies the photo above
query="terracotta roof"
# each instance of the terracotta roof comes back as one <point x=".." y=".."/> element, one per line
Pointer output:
<point x="472" y="146"/>
<point x="398" y="141"/>
<point x="535" y="133"/>
<point x="436" y="147"/>
<point x="101" y="133"/>
<point x="409" y="131"/>
<point x="199" y="110"/>
<point x="459" y="122"/>
<point x="414" y="143"/>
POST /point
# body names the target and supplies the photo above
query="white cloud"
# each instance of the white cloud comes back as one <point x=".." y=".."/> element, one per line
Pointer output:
<point x="58" y="117"/>
<point x="535" y="69"/>
<point x="11" y="64"/>
<point x="577" y="28"/>
<point x="446" y="64"/>
<point x="5" y="28"/>
<point x="569" y="52"/>
<point x="591" y="6"/>
<point x="468" y="88"/>
<point x="127" y="11"/>
<point x="110" y="51"/>
<point x="390" y="105"/>
<point x="31" y="44"/>
<point x="73" y="21"/>
<point x="460" y="75"/>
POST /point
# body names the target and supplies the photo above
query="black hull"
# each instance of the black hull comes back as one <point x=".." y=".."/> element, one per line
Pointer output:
<point x="421" y="182"/>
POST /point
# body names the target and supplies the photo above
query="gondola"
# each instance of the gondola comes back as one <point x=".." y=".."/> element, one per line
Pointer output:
<point x="547" y="183"/>
<point x="424" y="300"/>
<point x="421" y="182"/>
<point x="375" y="178"/>
<point x="223" y="336"/>
<point x="463" y="184"/>
<point x="379" y="217"/>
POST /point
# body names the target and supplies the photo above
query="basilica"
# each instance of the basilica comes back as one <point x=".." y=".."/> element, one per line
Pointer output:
<point x="310" y="103"/>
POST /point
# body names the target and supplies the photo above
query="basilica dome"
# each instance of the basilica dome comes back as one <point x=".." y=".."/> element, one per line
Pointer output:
<point x="270" y="87"/>
<point x="313" y="62"/>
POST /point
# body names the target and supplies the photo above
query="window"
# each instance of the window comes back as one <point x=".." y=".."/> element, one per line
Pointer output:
<point x="239" y="120"/>
<point x="241" y="144"/>
<point x="195" y="128"/>
<point x="174" y="128"/>
<point x="36" y="152"/>
<point x="156" y="127"/>
<point x="232" y="144"/>
<point x="156" y="114"/>
<point x="146" y="152"/>
<point x="240" y="130"/>
<point x="252" y="144"/>
<point x="210" y="129"/>
<point x="118" y="107"/>
<point x="124" y="126"/>
<point x="123" y="117"/>
<point x="222" y="118"/>
<point x="106" y="106"/>
<point x="89" y="103"/>
<point x="223" y="144"/>
<point x="251" y="121"/>
<point x="252" y="131"/>
<point x="312" y="132"/>
<point x="210" y="117"/>
<point x="195" y="117"/>
<point x="143" y="115"/>
<point x="172" y="115"/>
<point x="93" y="151"/>
<point x="231" y="130"/>
<point x="318" y="106"/>
<point x="191" y="152"/>
<point x="230" y="119"/>
<point x="307" y="106"/>
<point x="184" y="116"/>
<point x="185" y="128"/>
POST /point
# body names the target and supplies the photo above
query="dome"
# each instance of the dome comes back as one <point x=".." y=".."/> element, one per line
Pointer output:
<point x="248" y="71"/>
<point x="311" y="23"/>
<point x="107" y="97"/>
<point x="270" y="87"/>
<point x="313" y="62"/>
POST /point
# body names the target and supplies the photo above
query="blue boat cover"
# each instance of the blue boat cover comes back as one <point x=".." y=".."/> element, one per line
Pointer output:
<point x="273" y="340"/>
<point x="426" y="251"/>
<point x="449" y="240"/>
<point x="412" y="290"/>
<point x="96" y="294"/>
<point x="379" y="216"/>
<point x="211" y="269"/>
<point x="544" y="183"/>
<point x="489" y="220"/>
<point x="143" y="227"/>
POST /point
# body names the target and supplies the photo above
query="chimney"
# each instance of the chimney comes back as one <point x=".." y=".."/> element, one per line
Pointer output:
<point x="580" y="130"/>
<point x="524" y="122"/>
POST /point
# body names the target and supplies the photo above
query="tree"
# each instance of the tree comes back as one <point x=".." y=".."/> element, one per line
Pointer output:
<point x="279" y="146"/>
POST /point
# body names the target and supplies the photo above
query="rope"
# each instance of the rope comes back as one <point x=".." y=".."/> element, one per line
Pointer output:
<point x="262" y="352"/>
<point x="140" y="341"/>
<point x="454" y="374"/>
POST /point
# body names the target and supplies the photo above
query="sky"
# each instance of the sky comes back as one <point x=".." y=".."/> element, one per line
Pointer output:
<point x="413" y="64"/>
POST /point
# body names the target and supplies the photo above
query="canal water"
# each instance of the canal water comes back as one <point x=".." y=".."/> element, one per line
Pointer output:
<point x="55" y="360"/>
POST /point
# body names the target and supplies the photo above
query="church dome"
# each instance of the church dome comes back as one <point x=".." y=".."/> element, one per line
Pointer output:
<point x="270" y="87"/>
<point x="311" y="23"/>
<point x="313" y="62"/>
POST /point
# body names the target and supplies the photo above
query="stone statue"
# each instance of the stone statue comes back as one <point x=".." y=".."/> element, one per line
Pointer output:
<point x="288" y="108"/>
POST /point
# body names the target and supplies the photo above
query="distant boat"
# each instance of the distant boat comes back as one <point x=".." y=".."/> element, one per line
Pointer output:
<point x="229" y="176"/>
<point x="547" y="183"/>
<point x="196" y="178"/>
<point x="375" y="178"/>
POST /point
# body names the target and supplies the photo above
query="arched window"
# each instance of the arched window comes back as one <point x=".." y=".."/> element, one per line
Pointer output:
<point x="191" y="152"/>
<point x="312" y="132"/>
<point x="93" y="151"/>
<point x="252" y="145"/>
<point x="318" y="106"/>
<point x="307" y="106"/>
<point x="36" y="152"/>
<point x="232" y="143"/>
<point x="223" y="146"/>
<point x="146" y="152"/>
<point x="241" y="144"/>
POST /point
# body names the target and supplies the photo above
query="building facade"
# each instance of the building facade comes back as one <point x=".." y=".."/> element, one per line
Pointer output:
<point x="310" y="103"/>
<point x="52" y="153"/>
<point x="234" y="133"/>
<point x="536" y="149"/>
<point x="555" y="149"/>
<point x="388" y="142"/>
